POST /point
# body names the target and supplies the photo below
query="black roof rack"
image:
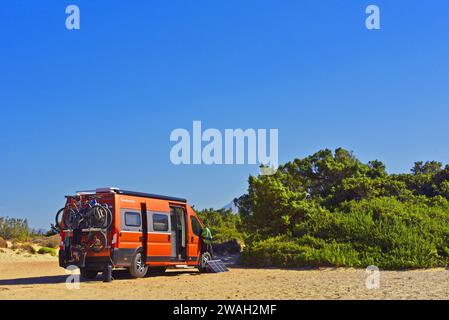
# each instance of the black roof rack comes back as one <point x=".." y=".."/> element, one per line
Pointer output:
<point x="149" y="195"/>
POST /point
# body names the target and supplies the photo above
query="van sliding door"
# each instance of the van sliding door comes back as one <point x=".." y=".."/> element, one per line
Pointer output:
<point x="178" y="220"/>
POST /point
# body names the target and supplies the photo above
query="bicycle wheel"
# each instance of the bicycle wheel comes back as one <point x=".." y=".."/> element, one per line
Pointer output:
<point x="97" y="242"/>
<point x="58" y="218"/>
<point x="100" y="217"/>
<point x="70" y="218"/>
<point x="83" y="218"/>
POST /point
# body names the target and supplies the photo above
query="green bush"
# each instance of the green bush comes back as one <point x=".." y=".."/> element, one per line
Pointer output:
<point x="223" y="224"/>
<point x="46" y="250"/>
<point x="286" y="252"/>
<point x="330" y="209"/>
<point x="385" y="232"/>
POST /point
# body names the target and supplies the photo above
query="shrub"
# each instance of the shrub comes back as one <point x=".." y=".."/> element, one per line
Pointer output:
<point x="228" y="247"/>
<point x="332" y="209"/>
<point x="28" y="248"/>
<point x="384" y="231"/>
<point x="44" y="241"/>
<point x="46" y="250"/>
<point x="12" y="228"/>
<point x="284" y="252"/>
<point x="15" y="246"/>
<point x="223" y="224"/>
<point x="52" y="241"/>
<point x="53" y="231"/>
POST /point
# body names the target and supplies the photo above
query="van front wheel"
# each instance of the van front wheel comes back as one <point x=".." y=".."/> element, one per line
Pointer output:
<point x="204" y="258"/>
<point x="138" y="268"/>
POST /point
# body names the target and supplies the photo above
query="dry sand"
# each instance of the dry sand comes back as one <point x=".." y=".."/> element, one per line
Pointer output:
<point x="33" y="279"/>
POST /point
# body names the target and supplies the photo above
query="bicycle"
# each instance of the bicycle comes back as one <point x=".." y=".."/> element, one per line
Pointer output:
<point x="79" y="215"/>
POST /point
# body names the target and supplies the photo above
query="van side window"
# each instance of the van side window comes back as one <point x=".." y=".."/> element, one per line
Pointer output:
<point x="160" y="222"/>
<point x="132" y="219"/>
<point x="196" y="227"/>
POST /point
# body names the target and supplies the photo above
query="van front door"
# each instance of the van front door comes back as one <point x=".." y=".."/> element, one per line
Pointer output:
<point x="194" y="238"/>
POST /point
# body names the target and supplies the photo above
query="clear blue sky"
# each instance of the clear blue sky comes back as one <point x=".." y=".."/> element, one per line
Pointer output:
<point x="95" y="107"/>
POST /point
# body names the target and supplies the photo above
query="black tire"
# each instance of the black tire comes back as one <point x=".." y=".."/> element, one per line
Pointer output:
<point x="58" y="218"/>
<point x="70" y="218"/>
<point x="204" y="257"/>
<point x="97" y="242"/>
<point x="100" y="217"/>
<point x="107" y="274"/>
<point x="66" y="217"/>
<point x="87" y="274"/>
<point x="138" y="268"/>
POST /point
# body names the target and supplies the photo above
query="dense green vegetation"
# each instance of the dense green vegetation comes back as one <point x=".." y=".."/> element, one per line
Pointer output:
<point x="330" y="209"/>
<point x="224" y="225"/>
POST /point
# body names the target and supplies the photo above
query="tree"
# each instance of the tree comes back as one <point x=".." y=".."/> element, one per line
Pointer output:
<point x="430" y="167"/>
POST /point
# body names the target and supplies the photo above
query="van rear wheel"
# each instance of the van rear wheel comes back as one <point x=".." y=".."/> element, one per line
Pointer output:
<point x="138" y="268"/>
<point x="88" y="274"/>
<point x="107" y="273"/>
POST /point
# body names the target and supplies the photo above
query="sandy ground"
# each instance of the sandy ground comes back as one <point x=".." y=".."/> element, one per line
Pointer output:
<point x="34" y="279"/>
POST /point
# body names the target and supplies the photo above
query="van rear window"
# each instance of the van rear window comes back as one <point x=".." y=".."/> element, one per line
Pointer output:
<point x="132" y="219"/>
<point x="160" y="222"/>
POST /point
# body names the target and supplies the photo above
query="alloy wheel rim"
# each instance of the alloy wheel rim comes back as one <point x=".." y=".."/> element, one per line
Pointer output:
<point x="204" y="260"/>
<point x="140" y="265"/>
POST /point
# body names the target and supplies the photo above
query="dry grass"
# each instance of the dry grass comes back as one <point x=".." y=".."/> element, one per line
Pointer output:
<point x="50" y="242"/>
<point x="23" y="247"/>
<point x="27" y="248"/>
<point x="3" y="243"/>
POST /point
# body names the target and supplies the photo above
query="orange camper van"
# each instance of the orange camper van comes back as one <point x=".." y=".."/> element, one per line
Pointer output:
<point x="111" y="228"/>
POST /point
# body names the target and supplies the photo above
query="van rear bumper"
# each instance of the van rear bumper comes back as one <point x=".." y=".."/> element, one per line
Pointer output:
<point x="119" y="258"/>
<point x="93" y="263"/>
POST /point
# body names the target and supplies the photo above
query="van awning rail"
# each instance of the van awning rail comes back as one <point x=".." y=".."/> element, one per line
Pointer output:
<point x="130" y="193"/>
